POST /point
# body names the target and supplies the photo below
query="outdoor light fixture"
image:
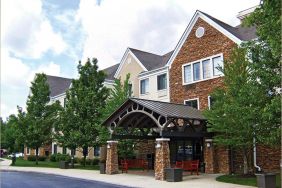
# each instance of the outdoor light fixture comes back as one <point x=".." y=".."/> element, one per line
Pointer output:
<point x="108" y="146"/>
<point x="208" y="145"/>
<point x="158" y="145"/>
<point x="208" y="141"/>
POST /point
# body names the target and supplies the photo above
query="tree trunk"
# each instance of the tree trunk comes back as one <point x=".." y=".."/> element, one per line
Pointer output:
<point x="36" y="156"/>
<point x="84" y="160"/>
<point x="72" y="160"/>
<point x="245" y="162"/>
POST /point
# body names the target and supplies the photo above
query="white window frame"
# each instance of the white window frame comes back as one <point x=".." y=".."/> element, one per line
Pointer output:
<point x="209" y="102"/>
<point x="159" y="90"/>
<point x="146" y="92"/>
<point x="198" y="102"/>
<point x="201" y="69"/>
<point x="27" y="149"/>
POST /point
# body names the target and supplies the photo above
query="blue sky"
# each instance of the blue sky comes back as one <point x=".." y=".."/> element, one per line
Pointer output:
<point x="51" y="36"/>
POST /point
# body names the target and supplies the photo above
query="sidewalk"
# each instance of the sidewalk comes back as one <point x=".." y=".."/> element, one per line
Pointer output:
<point x="202" y="181"/>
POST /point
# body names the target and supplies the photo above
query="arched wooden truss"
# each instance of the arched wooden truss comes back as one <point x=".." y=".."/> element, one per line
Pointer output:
<point x="137" y="119"/>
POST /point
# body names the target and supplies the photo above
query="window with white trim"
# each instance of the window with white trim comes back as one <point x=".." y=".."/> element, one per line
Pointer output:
<point x="210" y="101"/>
<point x="161" y="79"/>
<point x="192" y="103"/>
<point x="144" y="86"/>
<point x="203" y="69"/>
<point x="27" y="150"/>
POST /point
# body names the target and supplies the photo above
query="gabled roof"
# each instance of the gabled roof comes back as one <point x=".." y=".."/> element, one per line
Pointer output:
<point x="148" y="61"/>
<point x="166" y="109"/>
<point x="110" y="71"/>
<point x="241" y="32"/>
<point x="236" y="34"/>
<point x="58" y="85"/>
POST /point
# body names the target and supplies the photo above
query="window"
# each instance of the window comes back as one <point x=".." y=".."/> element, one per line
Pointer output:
<point x="187" y="74"/>
<point x="55" y="149"/>
<point x="73" y="152"/>
<point x="206" y="68"/>
<point x="161" y="81"/>
<point x="130" y="89"/>
<point x="64" y="150"/>
<point x="144" y="86"/>
<point x="217" y="64"/>
<point x="96" y="151"/>
<point x="210" y="101"/>
<point x="196" y="71"/>
<point x="192" y="102"/>
<point x="28" y="151"/>
<point x="203" y="69"/>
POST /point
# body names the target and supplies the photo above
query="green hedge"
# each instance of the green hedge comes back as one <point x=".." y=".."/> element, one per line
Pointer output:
<point x="89" y="161"/>
<point x="33" y="158"/>
<point x="60" y="157"/>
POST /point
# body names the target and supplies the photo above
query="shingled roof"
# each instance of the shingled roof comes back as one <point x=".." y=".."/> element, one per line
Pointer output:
<point x="110" y="71"/>
<point x="242" y="32"/>
<point x="151" y="61"/>
<point x="58" y="85"/>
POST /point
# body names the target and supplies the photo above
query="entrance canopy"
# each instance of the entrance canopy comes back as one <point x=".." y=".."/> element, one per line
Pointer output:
<point x="148" y="119"/>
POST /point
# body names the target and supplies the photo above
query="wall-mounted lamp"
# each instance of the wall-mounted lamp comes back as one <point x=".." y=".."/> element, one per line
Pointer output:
<point x="208" y="145"/>
<point x="209" y="142"/>
<point x="158" y="145"/>
<point x="108" y="146"/>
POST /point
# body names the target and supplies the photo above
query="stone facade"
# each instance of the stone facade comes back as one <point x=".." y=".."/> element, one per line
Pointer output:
<point x="162" y="159"/>
<point x="145" y="147"/>
<point x="112" y="158"/>
<point x="213" y="42"/>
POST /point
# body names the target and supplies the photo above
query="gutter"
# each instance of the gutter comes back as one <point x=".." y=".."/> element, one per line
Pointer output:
<point x="255" y="156"/>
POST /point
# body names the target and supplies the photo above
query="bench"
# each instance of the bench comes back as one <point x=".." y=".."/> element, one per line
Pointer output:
<point x="133" y="163"/>
<point x="191" y="165"/>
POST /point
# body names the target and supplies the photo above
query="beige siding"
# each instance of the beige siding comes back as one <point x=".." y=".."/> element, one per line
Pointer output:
<point x="131" y="66"/>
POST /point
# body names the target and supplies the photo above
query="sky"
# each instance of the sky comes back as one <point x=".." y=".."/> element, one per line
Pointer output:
<point x="51" y="36"/>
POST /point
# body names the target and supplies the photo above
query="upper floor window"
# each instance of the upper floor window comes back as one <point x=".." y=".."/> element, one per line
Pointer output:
<point x="144" y="86"/>
<point x="192" y="103"/>
<point x="55" y="149"/>
<point x="162" y="81"/>
<point x="203" y="69"/>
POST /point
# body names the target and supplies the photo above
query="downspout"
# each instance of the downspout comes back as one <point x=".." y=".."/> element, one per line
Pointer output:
<point x="255" y="155"/>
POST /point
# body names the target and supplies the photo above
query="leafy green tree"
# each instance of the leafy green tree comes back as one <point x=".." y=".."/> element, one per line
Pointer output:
<point x="265" y="55"/>
<point x="81" y="119"/>
<point x="232" y="116"/>
<point x="40" y="116"/>
<point x="118" y="95"/>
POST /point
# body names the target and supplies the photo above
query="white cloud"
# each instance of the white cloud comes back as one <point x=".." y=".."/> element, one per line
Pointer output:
<point x="26" y="32"/>
<point x="154" y="26"/>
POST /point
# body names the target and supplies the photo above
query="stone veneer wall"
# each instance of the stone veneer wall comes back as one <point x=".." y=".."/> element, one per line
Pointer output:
<point x="162" y="159"/>
<point x="112" y="158"/>
<point x="145" y="147"/>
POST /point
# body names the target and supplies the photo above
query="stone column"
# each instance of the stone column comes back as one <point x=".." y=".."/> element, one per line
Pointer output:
<point x="112" y="158"/>
<point x="209" y="157"/>
<point x="162" y="159"/>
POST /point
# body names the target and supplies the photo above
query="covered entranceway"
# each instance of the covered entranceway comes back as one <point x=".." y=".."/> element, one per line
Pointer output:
<point x="177" y="131"/>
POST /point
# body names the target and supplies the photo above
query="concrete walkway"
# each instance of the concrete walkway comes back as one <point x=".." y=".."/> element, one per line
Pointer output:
<point x="132" y="180"/>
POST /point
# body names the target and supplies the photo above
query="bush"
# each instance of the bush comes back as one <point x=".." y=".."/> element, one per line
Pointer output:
<point x="95" y="161"/>
<point x="31" y="158"/>
<point x="53" y="158"/>
<point x="41" y="158"/>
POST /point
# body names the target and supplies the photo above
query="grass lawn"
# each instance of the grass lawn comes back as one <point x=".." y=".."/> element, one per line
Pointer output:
<point x="239" y="179"/>
<point x="48" y="164"/>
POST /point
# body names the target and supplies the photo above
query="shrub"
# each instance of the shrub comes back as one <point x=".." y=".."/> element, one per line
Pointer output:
<point x="41" y="158"/>
<point x="31" y="158"/>
<point x="53" y="157"/>
<point x="95" y="161"/>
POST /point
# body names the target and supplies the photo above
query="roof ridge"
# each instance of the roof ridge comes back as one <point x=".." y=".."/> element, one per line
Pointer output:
<point x="215" y="19"/>
<point x="59" y="77"/>
<point x="158" y="101"/>
<point x="144" y="51"/>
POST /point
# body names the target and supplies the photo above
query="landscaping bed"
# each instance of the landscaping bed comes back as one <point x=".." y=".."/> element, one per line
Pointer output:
<point x="245" y="180"/>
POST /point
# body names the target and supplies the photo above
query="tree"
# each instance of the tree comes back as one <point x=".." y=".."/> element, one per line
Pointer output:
<point x="118" y="95"/>
<point x="265" y="55"/>
<point x="248" y="107"/>
<point x="40" y="116"/>
<point x="232" y="115"/>
<point x="81" y="119"/>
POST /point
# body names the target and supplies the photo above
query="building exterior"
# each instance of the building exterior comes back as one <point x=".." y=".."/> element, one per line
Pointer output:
<point x="184" y="77"/>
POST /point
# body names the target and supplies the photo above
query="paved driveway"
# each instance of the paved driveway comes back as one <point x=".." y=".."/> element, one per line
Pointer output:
<point x="12" y="179"/>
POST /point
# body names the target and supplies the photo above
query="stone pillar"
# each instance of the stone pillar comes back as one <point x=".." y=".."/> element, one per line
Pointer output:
<point x="112" y="158"/>
<point x="162" y="159"/>
<point x="209" y="157"/>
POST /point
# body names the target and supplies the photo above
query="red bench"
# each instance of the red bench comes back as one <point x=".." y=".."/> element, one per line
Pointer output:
<point x="191" y="165"/>
<point x="133" y="163"/>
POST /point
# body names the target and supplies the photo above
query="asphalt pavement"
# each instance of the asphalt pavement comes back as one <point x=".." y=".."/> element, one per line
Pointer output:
<point x="12" y="179"/>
